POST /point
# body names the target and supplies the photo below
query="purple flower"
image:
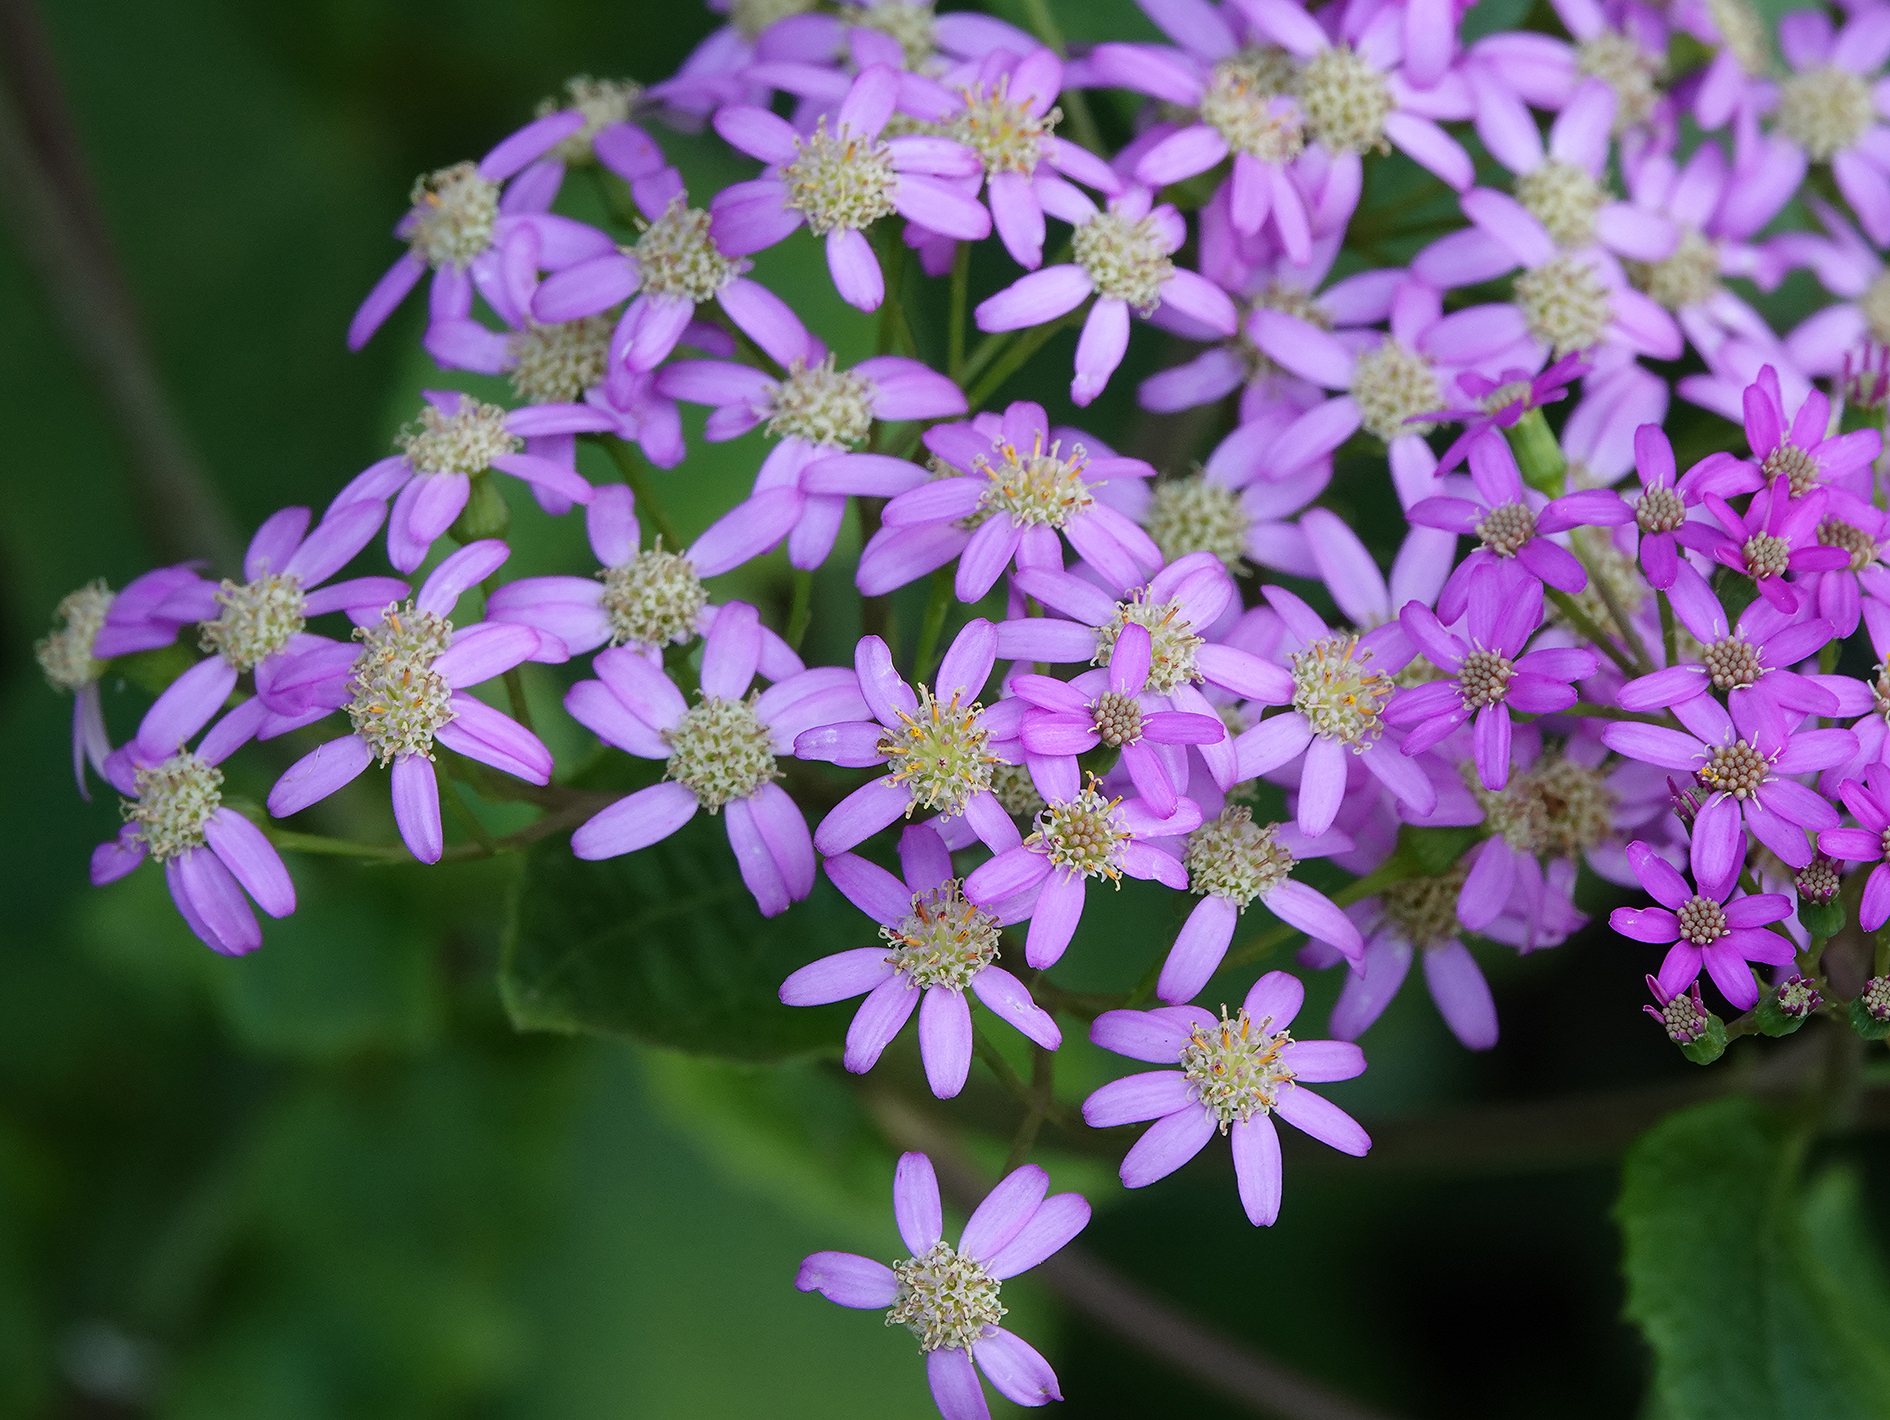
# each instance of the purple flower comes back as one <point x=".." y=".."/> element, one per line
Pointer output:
<point x="1236" y="1074"/>
<point x="608" y="138"/>
<point x="461" y="219"/>
<point x="1336" y="710"/>
<point x="1826" y="106"/>
<point x="1776" y="534"/>
<point x="1741" y="761"/>
<point x="1801" y="450"/>
<point x="407" y="689"/>
<point x="174" y="815"/>
<point x="839" y="183"/>
<point x="1869" y="803"/>
<point x="1360" y="590"/>
<point x="1709" y="928"/>
<point x="457" y="439"/>
<point x="721" y="752"/>
<point x="1122" y="258"/>
<point x="1017" y="484"/>
<point x="948" y="1297"/>
<point x="1500" y="403"/>
<point x="938" y="944"/>
<point x="1681" y="1015"/>
<point x="1671" y="513"/>
<point x="1863" y="531"/>
<point x="1488" y="675"/>
<point x="1848" y="267"/>
<point x="650" y="599"/>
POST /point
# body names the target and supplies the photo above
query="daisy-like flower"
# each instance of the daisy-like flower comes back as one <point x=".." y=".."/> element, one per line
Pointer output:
<point x="651" y="598"/>
<point x="463" y="215"/>
<point x="937" y="743"/>
<point x="938" y="945"/>
<point x="1017" y="484"/>
<point x="1487" y="675"/>
<point x="840" y="182"/>
<point x="610" y="138"/>
<point x="456" y="439"/>
<point x="175" y="815"/>
<point x="1231" y="862"/>
<point x="948" y="1297"/>
<point x="1501" y="402"/>
<point x="1849" y="268"/>
<point x="1863" y="531"/>
<point x="1715" y="928"/>
<point x="1828" y="109"/>
<point x="1868" y="800"/>
<point x="1123" y="257"/>
<point x="720" y="753"/>
<point x="1741" y="761"/>
<point x="816" y="412"/>
<point x="1671" y="512"/>
<point x="1776" y="534"/>
<point x="406" y="689"/>
<point x="1337" y="708"/>
<point x="1801" y="449"/>
<point x="1236" y="1073"/>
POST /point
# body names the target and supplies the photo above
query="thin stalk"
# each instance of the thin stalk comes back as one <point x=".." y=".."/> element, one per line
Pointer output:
<point x="514" y="682"/>
<point x="933" y="627"/>
<point x="334" y="847"/>
<point x="638" y="477"/>
<point x="1044" y="25"/>
<point x="1585" y="624"/>
<point x="1669" y="633"/>
<point x="801" y="611"/>
<point x="1026" y="345"/>
<point x="961" y="300"/>
<point x="1042" y="1088"/>
<point x="469" y="820"/>
<point x="1620" y="617"/>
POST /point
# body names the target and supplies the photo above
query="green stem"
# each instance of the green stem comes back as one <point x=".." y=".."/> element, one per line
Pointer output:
<point x="334" y="847"/>
<point x="514" y="682"/>
<point x="469" y="820"/>
<point x="960" y="306"/>
<point x="1585" y="624"/>
<point x="801" y="612"/>
<point x="1042" y="1087"/>
<point x="893" y="329"/>
<point x="1021" y="349"/>
<point x="1669" y="633"/>
<point x="1044" y="25"/>
<point x="933" y="627"/>
<point x="638" y="477"/>
<point x="1618" y="614"/>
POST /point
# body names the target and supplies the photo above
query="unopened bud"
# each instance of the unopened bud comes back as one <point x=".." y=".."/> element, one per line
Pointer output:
<point x="1683" y="1017"/>
<point x="1817" y="882"/>
<point x="1798" y="996"/>
<point x="1867" y="377"/>
<point x="1685" y="806"/>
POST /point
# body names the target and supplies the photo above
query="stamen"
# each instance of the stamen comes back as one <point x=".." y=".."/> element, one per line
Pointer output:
<point x="65" y="653"/>
<point x="1345" y="101"/>
<point x="944" y="940"/>
<point x="1737" y="769"/>
<point x="676" y="256"/>
<point x="946" y="1298"/>
<point x="942" y="755"/>
<point x="1733" y="662"/>
<point x="842" y="182"/>
<point x="1041" y="488"/>
<point x="601" y="102"/>
<point x="1628" y="69"/>
<point x="399" y="699"/>
<point x="175" y="800"/>
<point x="1172" y="640"/>
<point x="554" y="364"/>
<point x="1236" y="1068"/>
<point x="1197" y="514"/>
<point x="1127" y="261"/>
<point x="1702" y="921"/>
<point x="463" y="442"/>
<point x="654" y="599"/>
<point x="1564" y="198"/>
<point x="1390" y="383"/>
<point x="450" y="221"/>
<point x="1425" y="909"/>
<point x="1504" y="530"/>
<point x="1824" y="110"/>
<point x="1564" y="304"/>
<point x="824" y="406"/>
<point x="1083" y="835"/>
<point x="1337" y="694"/>
<point x="1235" y="858"/>
<point x="720" y="750"/>
<point x="1005" y="135"/>
<point x="257" y="619"/>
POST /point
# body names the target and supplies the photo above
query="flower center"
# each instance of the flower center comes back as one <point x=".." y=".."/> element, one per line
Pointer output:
<point x="1625" y="67"/>
<point x="175" y="800"/>
<point x="1791" y="462"/>
<point x="1564" y="304"/>
<point x="1172" y="640"/>
<point x="1505" y="529"/>
<point x="908" y="21"/>
<point x="1564" y="198"/>
<point x="602" y="102"/>
<point x="1660" y="510"/>
<point x="1127" y="261"/>
<point x="1243" y="106"/>
<point x="1345" y="101"/>
<point x="1687" y="278"/>
<point x="1425" y="909"/>
<point x="1824" y="110"/>
<point x="944" y="940"/>
<point x="1336" y="693"/>
<point x="463" y="442"/>
<point x="65" y="655"/>
<point x="1006" y="136"/>
<point x="1390" y="384"/>
<point x="842" y="182"/>
<point x="1557" y="809"/>
<point x="751" y="17"/>
<point x="554" y="364"/>
<point x="1082" y="834"/>
<point x="1503" y="396"/>
<point x="1702" y="921"/>
<point x="1835" y="532"/>
<point x="1766" y="556"/>
<point x="1744" y="33"/>
<point x="1732" y="662"/>
<point x="1015" y="791"/>
<point x="653" y="599"/>
<point x="1237" y="1068"/>
<point x="946" y="1298"/>
<point x="1484" y="678"/>
<point x="676" y="256"/>
<point x="1233" y="857"/>
<point x="1737" y="769"/>
<point x="1041" y="487"/>
<point x="452" y="215"/>
<point x="257" y="619"/>
<point x="1798" y="996"/>
<point x="720" y="750"/>
<point x="399" y="699"/>
<point x="1196" y="514"/>
<point x="1118" y="718"/>
<point x="1683" y="1017"/>
<point x="1818" y="880"/>
<point x="943" y="755"/>
<point x="1876" y="998"/>
<point x="823" y="406"/>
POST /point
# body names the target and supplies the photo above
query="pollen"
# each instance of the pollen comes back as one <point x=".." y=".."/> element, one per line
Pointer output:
<point x="1083" y="835"/>
<point x="601" y="102"/>
<point x="257" y="619"/>
<point x="1824" y="110"/>
<point x="554" y="364"/>
<point x="463" y="442"/>
<point x="676" y="256"/>
<point x="399" y="700"/>
<point x="1689" y="277"/>
<point x="824" y="406"/>
<point x="175" y="800"/>
<point x="1044" y="487"/>
<point x="1127" y="261"/>
<point x="945" y="940"/>
<point x="1233" y="857"/>
<point x="1620" y="62"/>
<point x="1564" y="198"/>
<point x="654" y="599"/>
<point x="1196" y="514"/>
<point x="1733" y="662"/>
<point x="1173" y="641"/>
<point x="1237" y="1068"/>
<point x="1345" y="100"/>
<point x="451" y="220"/>
<point x="1737" y="769"/>
<point x="1391" y="383"/>
<point x="720" y="750"/>
<point x="1506" y="528"/>
<point x="65" y="653"/>
<point x="942" y="754"/>
<point x="1702" y="921"/>
<point x="1424" y="909"/>
<point x="1564" y="304"/>
<point x="840" y="182"/>
<point x="946" y="1298"/>
<point x="1006" y="136"/>
<point x="1337" y="693"/>
<point x="1555" y="809"/>
<point x="1243" y="105"/>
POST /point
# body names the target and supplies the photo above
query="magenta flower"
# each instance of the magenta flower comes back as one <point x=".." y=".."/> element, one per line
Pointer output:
<point x="1021" y="483"/>
<point x="841" y="182"/>
<point x="1488" y="675"/>
<point x="948" y="1297"/>
<point x="1741" y="762"/>
<point x="1123" y="259"/>
<point x="1361" y="591"/>
<point x="721" y="752"/>
<point x="1671" y="512"/>
<point x="457" y="438"/>
<point x="1802" y="450"/>
<point x="405" y="690"/>
<point x="1236" y="1074"/>
<point x="938" y="945"/>
<point x="650" y="599"/>
<point x="1711" y="928"/>
<point x="1776" y="534"/>
<point x="174" y="815"/>
<point x="1499" y="403"/>
<point x="1827" y="108"/>
<point x="1848" y="267"/>
<point x="1869" y="803"/>
<point x="1862" y="530"/>
<point x="939" y="745"/>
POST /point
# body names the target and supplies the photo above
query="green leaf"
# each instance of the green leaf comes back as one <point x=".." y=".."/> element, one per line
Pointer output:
<point x="1759" y="1296"/>
<point x="1435" y="851"/>
<point x="665" y="945"/>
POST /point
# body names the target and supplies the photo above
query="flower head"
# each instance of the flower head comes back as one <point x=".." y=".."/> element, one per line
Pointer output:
<point x="1712" y="928"/>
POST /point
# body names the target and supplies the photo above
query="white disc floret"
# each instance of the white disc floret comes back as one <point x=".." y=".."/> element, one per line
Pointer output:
<point x="653" y="599"/>
<point x="751" y="17"/>
<point x="257" y="619"/>
<point x="1233" y="857"/>
<point x="1237" y="1068"/>
<point x="1345" y="100"/>
<point x="1006" y="136"/>
<point x="175" y="800"/>
<point x="1824" y="110"/>
<point x="1793" y="464"/>
<point x="1126" y="260"/>
<point x="600" y="102"/>
<point x="1555" y="809"/>
<point x="911" y="22"/>
<point x="452" y="215"/>
<point x="65" y="654"/>
<point x="1082" y="835"/>
<point x="1564" y="303"/>
<point x="822" y="405"/>
<point x="1392" y="382"/>
<point x="1424" y="909"/>
<point x="720" y="750"/>
<point x="1239" y="105"/>
<point x="1835" y="532"/>
<point x="465" y="441"/>
<point x="676" y="255"/>
<point x="1197" y="514"/>
<point x="1564" y="198"/>
<point x="946" y="1298"/>
<point x="840" y="182"/>
<point x="1172" y="639"/>
<point x="554" y="364"/>
<point x="1015" y="791"/>
<point x="942" y="754"/>
<point x="1766" y="556"/>
<point x="399" y="700"/>
<point x="1619" y="61"/>
<point x="1041" y="488"/>
<point x="945" y="940"/>
<point x="1689" y="277"/>
<point x="1337" y="694"/>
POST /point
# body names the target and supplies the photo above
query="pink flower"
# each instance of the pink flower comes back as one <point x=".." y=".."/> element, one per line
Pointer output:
<point x="1501" y="402"/>
<point x="1776" y="534"/>
<point x="1869" y="803"/>
<point x="1713" y="928"/>
<point x="1826" y="107"/>
<point x="1670" y="513"/>
<point x="1801" y="449"/>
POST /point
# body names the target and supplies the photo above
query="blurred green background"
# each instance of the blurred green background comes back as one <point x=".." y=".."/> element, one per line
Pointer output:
<point x="331" y="1180"/>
